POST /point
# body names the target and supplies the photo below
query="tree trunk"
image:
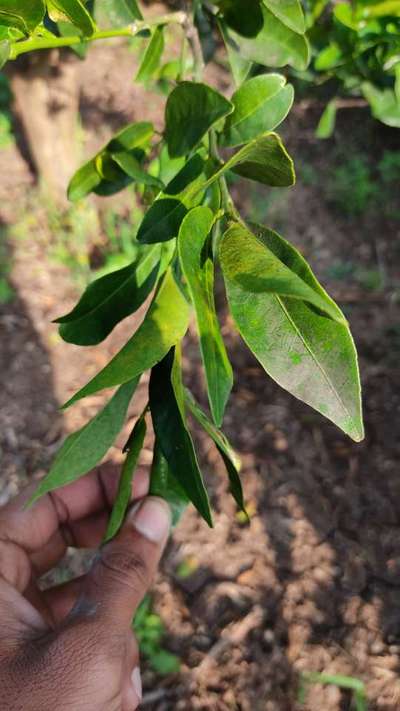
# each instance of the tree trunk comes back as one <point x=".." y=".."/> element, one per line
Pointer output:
<point x="46" y="91"/>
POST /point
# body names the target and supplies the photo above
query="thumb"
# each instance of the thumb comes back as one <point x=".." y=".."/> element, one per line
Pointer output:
<point x="125" y="567"/>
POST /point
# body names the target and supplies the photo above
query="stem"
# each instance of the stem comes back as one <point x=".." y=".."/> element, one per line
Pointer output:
<point x="227" y="202"/>
<point x="182" y="58"/>
<point x="193" y="39"/>
<point x="130" y="31"/>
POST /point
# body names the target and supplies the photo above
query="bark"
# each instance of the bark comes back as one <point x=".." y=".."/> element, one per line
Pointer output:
<point x="46" y="92"/>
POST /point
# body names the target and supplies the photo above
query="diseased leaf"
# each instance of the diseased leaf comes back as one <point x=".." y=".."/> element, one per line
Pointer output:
<point x="73" y="11"/>
<point x="198" y="268"/>
<point x="306" y="352"/>
<point x="109" y="299"/>
<point x="261" y="104"/>
<point x="164" y="325"/>
<point x="192" y="109"/>
<point x="152" y="56"/>
<point x="265" y="160"/>
<point x="163" y="219"/>
<point x="265" y="263"/>
<point x="229" y="456"/>
<point x="275" y="45"/>
<point x="83" y="449"/>
<point x="163" y="483"/>
<point x="124" y="493"/>
<point x="173" y="437"/>
<point x="289" y="12"/>
<point x="24" y="16"/>
<point x="326" y="124"/>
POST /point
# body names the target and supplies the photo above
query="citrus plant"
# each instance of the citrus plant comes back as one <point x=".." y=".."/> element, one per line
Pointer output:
<point x="191" y="228"/>
<point x="356" y="52"/>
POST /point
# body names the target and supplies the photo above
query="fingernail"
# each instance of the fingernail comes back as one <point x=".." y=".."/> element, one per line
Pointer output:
<point x="136" y="680"/>
<point x="153" y="519"/>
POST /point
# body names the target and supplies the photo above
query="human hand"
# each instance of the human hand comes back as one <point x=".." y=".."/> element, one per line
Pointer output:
<point x="71" y="647"/>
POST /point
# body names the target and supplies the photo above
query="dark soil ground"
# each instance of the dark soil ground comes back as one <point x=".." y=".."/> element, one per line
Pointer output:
<point x="313" y="582"/>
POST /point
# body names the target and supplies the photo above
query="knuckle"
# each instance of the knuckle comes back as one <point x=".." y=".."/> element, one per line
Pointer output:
<point x="128" y="567"/>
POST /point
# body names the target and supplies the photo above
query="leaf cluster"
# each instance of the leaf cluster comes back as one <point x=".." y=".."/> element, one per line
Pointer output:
<point x="191" y="228"/>
<point x="356" y="51"/>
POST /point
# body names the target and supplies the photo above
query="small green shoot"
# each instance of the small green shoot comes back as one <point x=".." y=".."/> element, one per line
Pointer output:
<point x="343" y="682"/>
<point x="150" y="633"/>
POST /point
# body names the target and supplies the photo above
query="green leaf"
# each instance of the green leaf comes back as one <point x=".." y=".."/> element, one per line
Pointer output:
<point x="261" y="104"/>
<point x="111" y="187"/>
<point x="229" y="456"/>
<point x="329" y="58"/>
<point x="113" y="178"/>
<point x="384" y="104"/>
<point x="163" y="483"/>
<point x="396" y="82"/>
<point x="174" y="438"/>
<point x="163" y="219"/>
<point x="4" y="52"/>
<point x="381" y="9"/>
<point x="164" y="662"/>
<point x="164" y="325"/>
<point x="83" y="449"/>
<point x="24" y="16"/>
<point x="192" y="109"/>
<point x="289" y="12"/>
<point x="318" y="8"/>
<point x="198" y="268"/>
<point x="345" y="14"/>
<point x="310" y="355"/>
<point x="106" y="167"/>
<point x="244" y="16"/>
<point x="131" y="166"/>
<point x="117" y="13"/>
<point x="103" y="173"/>
<point x="275" y="45"/>
<point x="134" y="135"/>
<point x="240" y="67"/>
<point x="265" y="160"/>
<point x="169" y="167"/>
<point x="152" y="56"/>
<point x="326" y="124"/>
<point x="109" y="300"/>
<point x="124" y="494"/>
<point x="73" y="11"/>
<point x="83" y="181"/>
